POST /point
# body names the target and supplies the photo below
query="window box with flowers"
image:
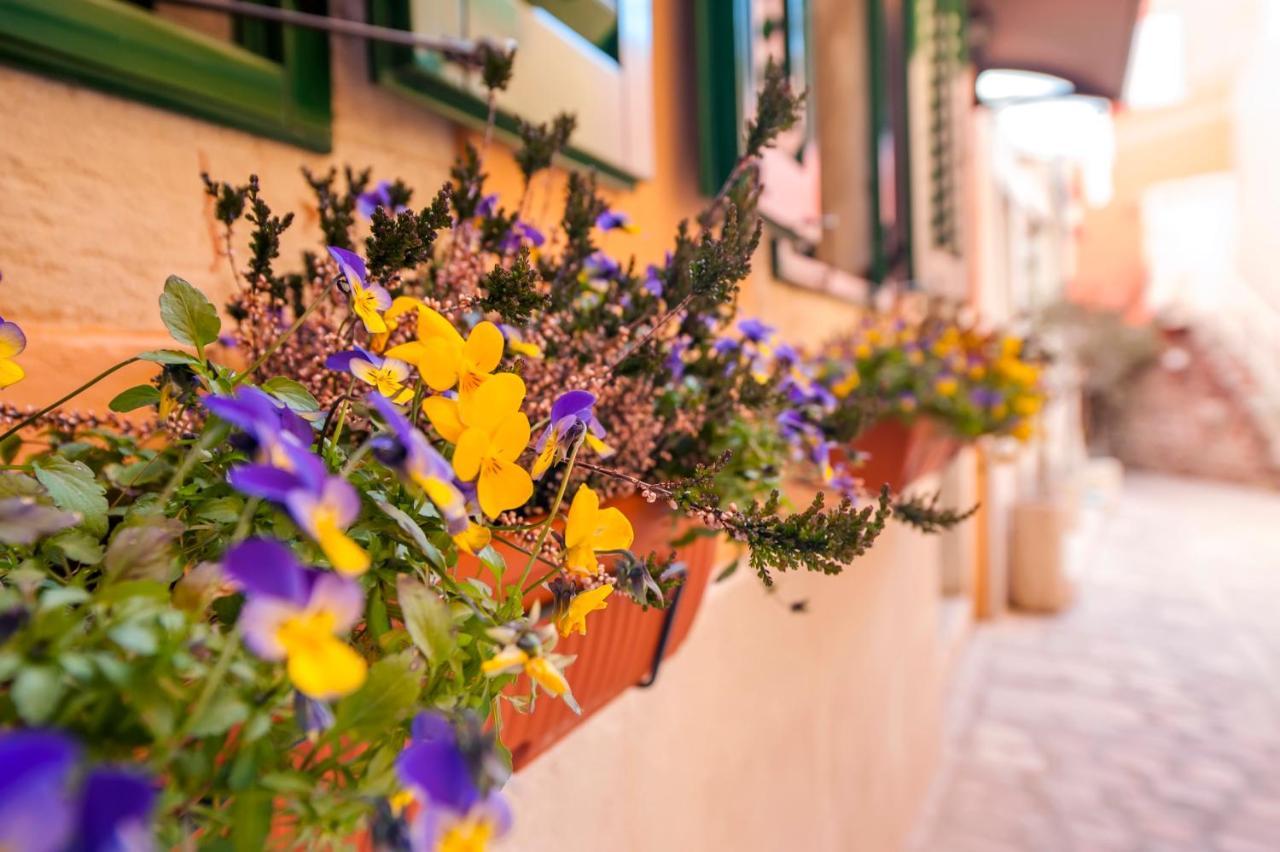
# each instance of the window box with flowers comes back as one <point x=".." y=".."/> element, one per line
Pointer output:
<point x="312" y="594"/>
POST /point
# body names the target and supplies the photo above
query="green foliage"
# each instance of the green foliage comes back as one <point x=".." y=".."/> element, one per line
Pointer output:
<point x="188" y="314"/>
<point x="540" y="143"/>
<point x="511" y="293"/>
<point x="923" y="512"/>
<point x="403" y="240"/>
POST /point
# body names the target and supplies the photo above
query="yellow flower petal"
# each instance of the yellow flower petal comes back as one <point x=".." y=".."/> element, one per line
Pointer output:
<point x="474" y="538"/>
<point x="582" y="518"/>
<point x="493" y="402"/>
<point x="10" y="373"/>
<point x="503" y="485"/>
<point x="613" y="531"/>
<point x="469" y="451"/>
<point x="600" y="447"/>
<point x="574" y="619"/>
<point x="443" y="414"/>
<point x="412" y="352"/>
<point x="400" y="306"/>
<point x="484" y="347"/>
<point x="505" y="660"/>
<point x="439" y="364"/>
<point x="432" y="324"/>
<point x="581" y="559"/>
<point x="368" y="314"/>
<point x="511" y="437"/>
<point x="343" y="553"/>
<point x="544" y="459"/>
<point x="546" y="676"/>
<point x="326" y="668"/>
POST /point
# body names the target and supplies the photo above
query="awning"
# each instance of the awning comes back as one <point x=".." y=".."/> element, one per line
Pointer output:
<point x="1084" y="41"/>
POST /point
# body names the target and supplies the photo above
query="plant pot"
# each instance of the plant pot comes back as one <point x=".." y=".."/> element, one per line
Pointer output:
<point x="900" y="453"/>
<point x="624" y="644"/>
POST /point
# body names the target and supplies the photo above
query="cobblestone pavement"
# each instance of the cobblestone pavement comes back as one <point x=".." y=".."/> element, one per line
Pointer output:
<point x="1146" y="717"/>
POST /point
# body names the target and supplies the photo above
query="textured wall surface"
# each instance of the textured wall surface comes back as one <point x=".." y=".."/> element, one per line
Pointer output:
<point x="769" y="730"/>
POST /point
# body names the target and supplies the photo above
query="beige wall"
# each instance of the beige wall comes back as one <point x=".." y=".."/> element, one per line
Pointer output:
<point x="769" y="730"/>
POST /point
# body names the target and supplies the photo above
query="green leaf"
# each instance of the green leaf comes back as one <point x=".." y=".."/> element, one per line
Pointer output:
<point x="78" y="546"/>
<point x="134" y="637"/>
<point x="144" y="551"/>
<point x="291" y="393"/>
<point x="73" y="488"/>
<point x="135" y="397"/>
<point x="188" y="314"/>
<point x="62" y="596"/>
<point x="168" y="356"/>
<point x="36" y="693"/>
<point x="386" y="699"/>
<point x="250" y="820"/>
<point x="221" y="510"/>
<point x="427" y="618"/>
<point x="411" y="528"/>
<point x="9" y="448"/>
<point x="492" y="558"/>
<point x="19" y="485"/>
<point x="225" y="710"/>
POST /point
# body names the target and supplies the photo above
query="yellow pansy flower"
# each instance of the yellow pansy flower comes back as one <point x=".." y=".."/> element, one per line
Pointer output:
<point x="400" y="306"/>
<point x="590" y="528"/>
<point x="847" y="385"/>
<point x="541" y="670"/>
<point x="445" y="360"/>
<point x="495" y="433"/>
<point x="574" y="618"/>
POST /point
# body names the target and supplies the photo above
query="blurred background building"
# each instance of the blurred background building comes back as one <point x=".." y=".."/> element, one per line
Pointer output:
<point x="1102" y="171"/>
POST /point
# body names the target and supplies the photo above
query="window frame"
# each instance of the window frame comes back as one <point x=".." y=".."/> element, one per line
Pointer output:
<point x="394" y="67"/>
<point x="126" y="51"/>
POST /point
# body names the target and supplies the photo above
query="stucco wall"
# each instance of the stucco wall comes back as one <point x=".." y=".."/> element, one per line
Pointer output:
<point x="770" y="730"/>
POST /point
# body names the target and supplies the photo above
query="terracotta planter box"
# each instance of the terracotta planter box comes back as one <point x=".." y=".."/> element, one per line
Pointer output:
<point x="624" y="643"/>
<point x="901" y="453"/>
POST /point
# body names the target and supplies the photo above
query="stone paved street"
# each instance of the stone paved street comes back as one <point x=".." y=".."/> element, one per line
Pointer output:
<point x="1147" y="717"/>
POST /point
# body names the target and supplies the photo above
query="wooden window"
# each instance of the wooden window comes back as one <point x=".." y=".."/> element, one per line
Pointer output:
<point x="263" y="78"/>
<point x="592" y="58"/>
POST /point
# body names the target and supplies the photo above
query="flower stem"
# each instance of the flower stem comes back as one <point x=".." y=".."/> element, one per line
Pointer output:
<point x="188" y="461"/>
<point x="551" y="516"/>
<point x="231" y="641"/>
<point x="279" y="341"/>
<point x="84" y="387"/>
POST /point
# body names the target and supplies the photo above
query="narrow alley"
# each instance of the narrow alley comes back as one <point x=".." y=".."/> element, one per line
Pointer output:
<point x="1147" y="716"/>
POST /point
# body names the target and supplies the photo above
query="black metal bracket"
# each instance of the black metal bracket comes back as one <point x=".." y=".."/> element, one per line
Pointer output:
<point x="659" y="653"/>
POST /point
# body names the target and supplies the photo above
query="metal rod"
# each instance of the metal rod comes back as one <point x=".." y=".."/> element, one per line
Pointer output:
<point x="465" y="51"/>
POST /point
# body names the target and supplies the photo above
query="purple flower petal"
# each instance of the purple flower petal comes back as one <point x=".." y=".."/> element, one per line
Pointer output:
<point x="438" y="769"/>
<point x="115" y="811"/>
<point x="265" y="481"/>
<point x="431" y="726"/>
<point x="571" y="403"/>
<point x="35" y="811"/>
<point x="350" y="264"/>
<point x="265" y="568"/>
<point x="339" y="595"/>
<point x="12" y="340"/>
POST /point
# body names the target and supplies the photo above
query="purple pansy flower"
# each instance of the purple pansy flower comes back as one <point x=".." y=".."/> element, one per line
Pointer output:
<point x="600" y="265"/>
<point x="725" y="346"/>
<point x="379" y="196"/>
<point x="295" y="613"/>
<point x="407" y="451"/>
<point x="368" y="298"/>
<point x="521" y="232"/>
<point x="39" y="812"/>
<point x="447" y="776"/>
<point x="263" y="419"/>
<point x="322" y="505"/>
<point x="675" y="358"/>
<point x="486" y="205"/>
<point x="755" y="330"/>
<point x="652" y="282"/>
<point x="385" y="375"/>
<point x="572" y="414"/>
<point x="611" y="219"/>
